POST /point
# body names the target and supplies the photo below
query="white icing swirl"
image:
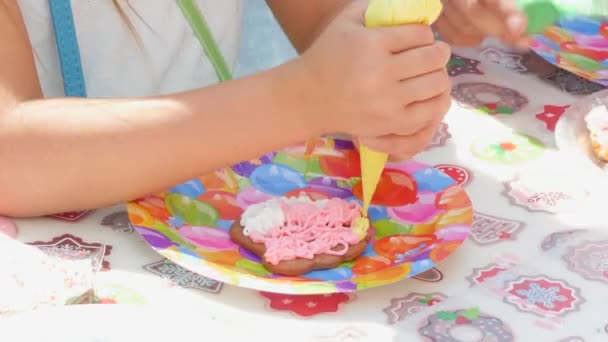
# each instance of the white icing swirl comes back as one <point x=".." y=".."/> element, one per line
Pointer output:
<point x="262" y="217"/>
<point x="597" y="123"/>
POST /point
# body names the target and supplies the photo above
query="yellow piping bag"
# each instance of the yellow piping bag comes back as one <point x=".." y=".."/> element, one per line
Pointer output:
<point x="388" y="13"/>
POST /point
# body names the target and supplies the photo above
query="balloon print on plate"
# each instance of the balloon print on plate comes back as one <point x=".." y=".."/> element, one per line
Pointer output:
<point x="419" y="216"/>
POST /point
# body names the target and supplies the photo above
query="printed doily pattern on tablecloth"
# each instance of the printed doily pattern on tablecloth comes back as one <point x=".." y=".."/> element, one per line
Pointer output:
<point x="413" y="303"/>
<point x="482" y="274"/>
<point x="465" y="325"/>
<point x="433" y="275"/>
<point x="540" y="192"/>
<point x="543" y="296"/>
<point x="344" y="335"/>
<point x="508" y="149"/>
<point x="488" y="229"/>
<point x="71" y="247"/>
<point x="72" y="216"/>
<point x="461" y="175"/>
<point x="550" y="116"/>
<point x="179" y="276"/>
<point x="590" y="260"/>
<point x="509" y="60"/>
<point x="459" y="65"/>
<point x="489" y="98"/>
<point x="441" y="136"/>
<point x="559" y="238"/>
<point x="119" y="222"/>
<point x="570" y="83"/>
<point x="307" y="305"/>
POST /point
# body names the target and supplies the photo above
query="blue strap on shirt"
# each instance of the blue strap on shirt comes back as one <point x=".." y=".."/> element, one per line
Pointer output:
<point x="68" y="49"/>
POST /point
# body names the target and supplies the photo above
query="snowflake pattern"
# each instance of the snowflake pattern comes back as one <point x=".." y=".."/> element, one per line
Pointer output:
<point x="551" y="198"/>
<point x="540" y="192"/>
<point x="546" y="297"/>
<point x="543" y="296"/>
<point x="179" y="276"/>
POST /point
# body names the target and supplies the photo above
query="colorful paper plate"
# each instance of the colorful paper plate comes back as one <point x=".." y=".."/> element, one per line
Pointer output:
<point x="577" y="44"/>
<point x="572" y="135"/>
<point x="419" y="217"/>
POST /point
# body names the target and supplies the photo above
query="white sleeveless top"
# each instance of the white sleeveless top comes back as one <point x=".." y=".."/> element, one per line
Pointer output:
<point x="168" y="59"/>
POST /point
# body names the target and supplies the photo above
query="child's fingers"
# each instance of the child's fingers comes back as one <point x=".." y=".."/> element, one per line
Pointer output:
<point x="457" y="17"/>
<point x="452" y="34"/>
<point x="514" y="21"/>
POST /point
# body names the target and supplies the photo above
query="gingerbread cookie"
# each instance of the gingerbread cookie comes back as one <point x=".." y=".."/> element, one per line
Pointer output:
<point x="294" y="236"/>
<point x="597" y="124"/>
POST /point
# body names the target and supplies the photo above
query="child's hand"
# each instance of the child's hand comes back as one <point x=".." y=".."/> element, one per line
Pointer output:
<point x="388" y="86"/>
<point x="469" y="22"/>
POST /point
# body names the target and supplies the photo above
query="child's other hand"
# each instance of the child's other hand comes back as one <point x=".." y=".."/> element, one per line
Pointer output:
<point x="469" y="22"/>
<point x="387" y="86"/>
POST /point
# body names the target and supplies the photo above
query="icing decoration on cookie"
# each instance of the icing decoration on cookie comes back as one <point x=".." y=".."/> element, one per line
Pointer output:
<point x="597" y="124"/>
<point x="292" y="228"/>
<point x="489" y="98"/>
<point x="465" y="325"/>
<point x="550" y="115"/>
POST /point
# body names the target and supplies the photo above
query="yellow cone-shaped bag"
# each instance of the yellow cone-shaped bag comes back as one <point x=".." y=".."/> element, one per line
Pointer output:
<point x="389" y="13"/>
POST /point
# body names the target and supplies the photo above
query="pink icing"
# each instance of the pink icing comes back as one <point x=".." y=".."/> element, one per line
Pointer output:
<point x="309" y="230"/>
